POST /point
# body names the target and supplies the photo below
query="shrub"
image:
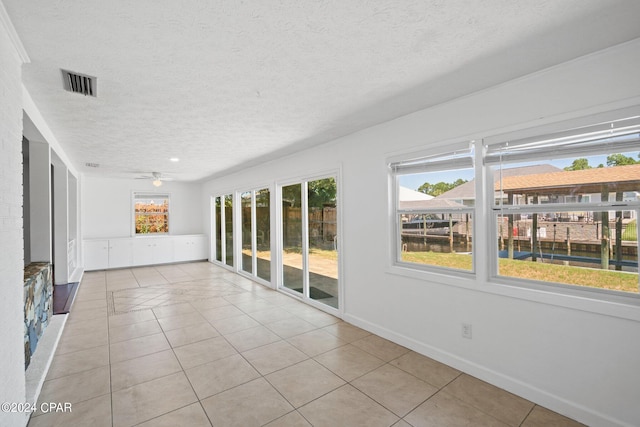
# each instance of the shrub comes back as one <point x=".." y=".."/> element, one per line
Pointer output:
<point x="631" y="231"/>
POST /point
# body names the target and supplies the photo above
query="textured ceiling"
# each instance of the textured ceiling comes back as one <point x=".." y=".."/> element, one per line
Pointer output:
<point x="225" y="84"/>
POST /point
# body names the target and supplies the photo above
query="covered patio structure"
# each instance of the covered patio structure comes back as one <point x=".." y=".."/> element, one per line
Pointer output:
<point x="575" y="185"/>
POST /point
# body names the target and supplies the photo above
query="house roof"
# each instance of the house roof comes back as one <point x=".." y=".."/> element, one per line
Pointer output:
<point x="430" y="204"/>
<point x="466" y="191"/>
<point x="619" y="178"/>
<point x="407" y="194"/>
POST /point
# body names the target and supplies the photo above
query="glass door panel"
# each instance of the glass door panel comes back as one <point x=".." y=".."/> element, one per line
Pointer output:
<point x="292" y="269"/>
<point x="245" y="218"/>
<point x="218" y="225"/>
<point x="263" y="231"/>
<point x="323" y="241"/>
<point x="228" y="229"/>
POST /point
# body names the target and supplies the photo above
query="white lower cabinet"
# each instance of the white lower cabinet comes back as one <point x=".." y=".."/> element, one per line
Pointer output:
<point x="100" y="254"/>
<point x="187" y="248"/>
<point x="96" y="254"/>
<point x="120" y="253"/>
<point x="152" y="250"/>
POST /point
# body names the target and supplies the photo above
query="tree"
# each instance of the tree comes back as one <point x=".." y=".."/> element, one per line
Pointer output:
<point x="621" y="160"/>
<point x="322" y="192"/>
<point x="578" y="165"/>
<point x="440" y="187"/>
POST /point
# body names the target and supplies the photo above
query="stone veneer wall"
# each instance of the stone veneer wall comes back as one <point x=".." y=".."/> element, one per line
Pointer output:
<point x="38" y="305"/>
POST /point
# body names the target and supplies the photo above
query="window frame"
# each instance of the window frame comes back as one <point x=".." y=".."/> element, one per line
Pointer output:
<point x="609" y="302"/>
<point x="566" y="129"/>
<point x="136" y="195"/>
<point x="452" y="156"/>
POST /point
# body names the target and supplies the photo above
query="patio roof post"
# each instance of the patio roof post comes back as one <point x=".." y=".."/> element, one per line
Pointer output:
<point x="466" y="226"/>
<point x="604" y="241"/>
<point x="450" y="234"/>
<point x="534" y="232"/>
<point x="618" y="250"/>
<point x="424" y="229"/>
<point x="510" y="228"/>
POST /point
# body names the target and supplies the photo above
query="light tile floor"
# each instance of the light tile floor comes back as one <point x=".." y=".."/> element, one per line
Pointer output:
<point x="196" y="345"/>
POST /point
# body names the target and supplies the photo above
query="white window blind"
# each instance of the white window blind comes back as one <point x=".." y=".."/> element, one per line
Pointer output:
<point x="459" y="156"/>
<point x="613" y="136"/>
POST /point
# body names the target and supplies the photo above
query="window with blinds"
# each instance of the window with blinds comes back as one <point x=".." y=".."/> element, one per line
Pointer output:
<point x="565" y="205"/>
<point x="434" y="209"/>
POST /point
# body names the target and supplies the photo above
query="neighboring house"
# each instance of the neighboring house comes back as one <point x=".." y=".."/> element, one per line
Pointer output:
<point x="406" y="194"/>
<point x="588" y="185"/>
<point x="465" y="193"/>
<point x="554" y="185"/>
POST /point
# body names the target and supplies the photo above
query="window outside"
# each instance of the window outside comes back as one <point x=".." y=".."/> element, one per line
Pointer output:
<point x="435" y="211"/>
<point x="562" y="207"/>
<point x="571" y="221"/>
<point x="151" y="213"/>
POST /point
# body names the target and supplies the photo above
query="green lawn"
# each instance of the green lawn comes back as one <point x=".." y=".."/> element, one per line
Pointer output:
<point x="460" y="261"/>
<point x="591" y="277"/>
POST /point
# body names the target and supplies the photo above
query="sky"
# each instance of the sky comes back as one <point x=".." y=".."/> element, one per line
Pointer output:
<point x="416" y="180"/>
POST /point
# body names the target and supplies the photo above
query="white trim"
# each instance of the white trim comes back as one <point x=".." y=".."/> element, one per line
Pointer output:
<point x="277" y="243"/>
<point x="304" y="202"/>
<point x="5" y="20"/>
<point x="212" y="228"/>
<point x="254" y="236"/>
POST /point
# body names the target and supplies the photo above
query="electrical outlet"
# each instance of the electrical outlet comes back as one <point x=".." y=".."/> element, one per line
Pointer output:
<point x="466" y="330"/>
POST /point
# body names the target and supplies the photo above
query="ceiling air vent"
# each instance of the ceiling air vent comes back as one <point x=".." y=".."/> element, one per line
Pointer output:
<point x="80" y="83"/>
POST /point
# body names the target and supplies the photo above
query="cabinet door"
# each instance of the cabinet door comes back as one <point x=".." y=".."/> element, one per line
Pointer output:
<point x="199" y="249"/>
<point x="120" y="253"/>
<point x="96" y="254"/>
<point x="143" y="251"/>
<point x="181" y="249"/>
<point x="162" y="250"/>
<point x="190" y="248"/>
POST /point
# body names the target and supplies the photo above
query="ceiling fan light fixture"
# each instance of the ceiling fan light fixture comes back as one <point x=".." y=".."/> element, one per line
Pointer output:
<point x="157" y="182"/>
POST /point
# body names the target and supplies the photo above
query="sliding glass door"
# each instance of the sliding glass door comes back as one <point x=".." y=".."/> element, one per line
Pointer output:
<point x="310" y="240"/>
<point x="292" y="270"/>
<point x="223" y="228"/>
<point x="246" y="220"/>
<point x="263" y="234"/>
<point x="322" y="235"/>
<point x="255" y="233"/>
<point x="217" y="213"/>
<point x="228" y="229"/>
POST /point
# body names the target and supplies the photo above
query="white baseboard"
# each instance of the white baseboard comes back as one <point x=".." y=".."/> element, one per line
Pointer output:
<point x="541" y="397"/>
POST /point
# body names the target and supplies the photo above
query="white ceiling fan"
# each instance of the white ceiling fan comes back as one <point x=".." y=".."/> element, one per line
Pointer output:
<point x="157" y="178"/>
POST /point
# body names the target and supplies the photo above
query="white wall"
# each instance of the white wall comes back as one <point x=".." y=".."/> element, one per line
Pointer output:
<point x="575" y="355"/>
<point x="40" y="201"/>
<point x="106" y="206"/>
<point x="12" y="388"/>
